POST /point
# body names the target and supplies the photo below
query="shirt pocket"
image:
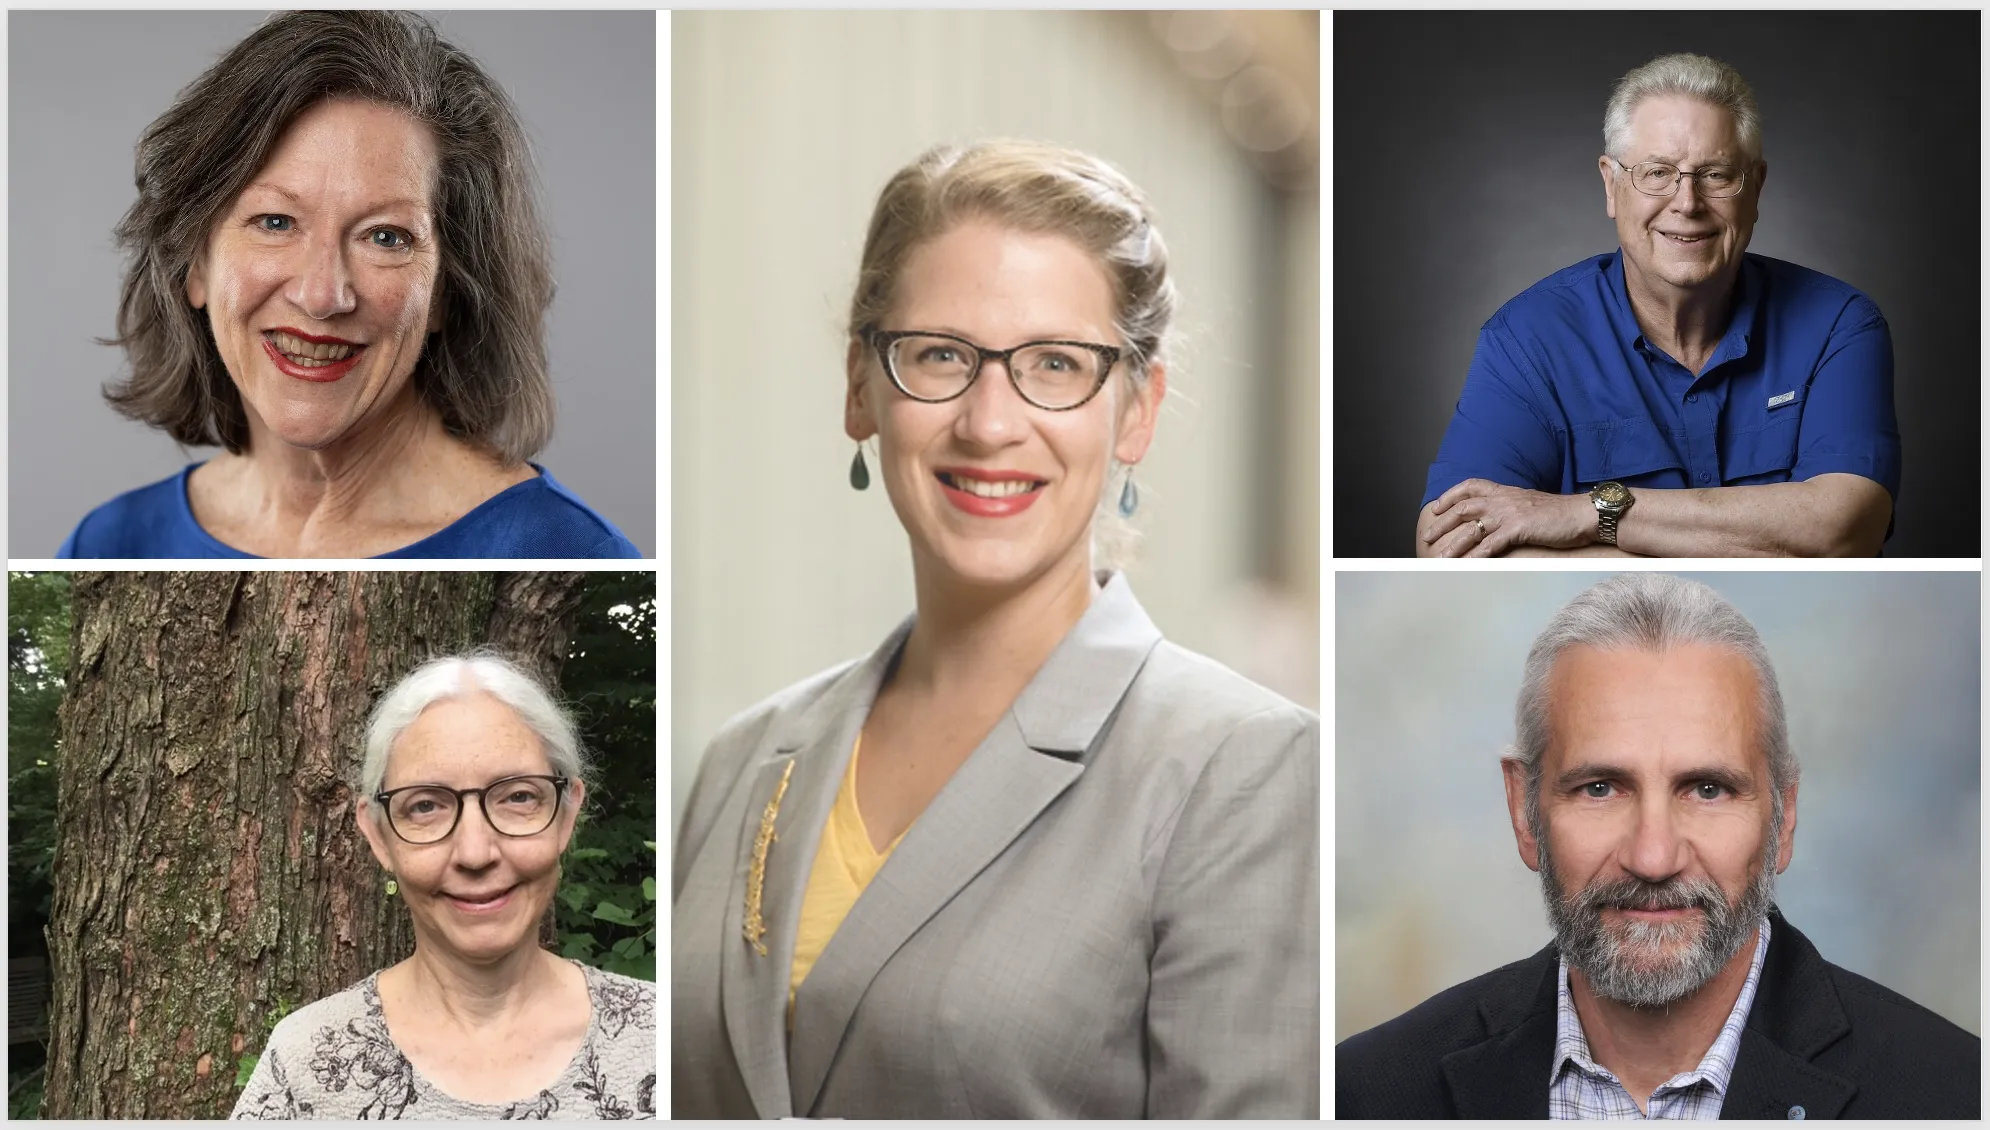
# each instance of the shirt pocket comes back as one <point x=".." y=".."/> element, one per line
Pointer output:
<point x="1632" y="452"/>
<point x="1766" y="454"/>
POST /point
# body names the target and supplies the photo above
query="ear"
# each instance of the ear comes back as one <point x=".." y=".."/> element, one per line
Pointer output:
<point x="576" y="797"/>
<point x="362" y="814"/>
<point x="1761" y="177"/>
<point x="197" y="284"/>
<point x="1787" y="841"/>
<point x="1607" y="167"/>
<point x="1140" y="415"/>
<point x="859" y="423"/>
<point x="1516" y="811"/>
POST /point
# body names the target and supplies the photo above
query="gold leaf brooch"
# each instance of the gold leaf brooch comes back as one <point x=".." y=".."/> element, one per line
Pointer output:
<point x="756" y="877"/>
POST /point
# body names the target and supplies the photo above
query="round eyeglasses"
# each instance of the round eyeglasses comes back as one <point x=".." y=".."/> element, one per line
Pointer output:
<point x="1055" y="376"/>
<point x="515" y="806"/>
<point x="1657" y="178"/>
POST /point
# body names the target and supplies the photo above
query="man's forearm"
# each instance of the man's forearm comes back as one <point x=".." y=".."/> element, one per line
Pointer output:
<point x="1585" y="551"/>
<point x="1828" y="516"/>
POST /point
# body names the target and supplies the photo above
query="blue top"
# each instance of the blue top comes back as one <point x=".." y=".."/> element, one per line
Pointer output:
<point x="1565" y="393"/>
<point x="537" y="518"/>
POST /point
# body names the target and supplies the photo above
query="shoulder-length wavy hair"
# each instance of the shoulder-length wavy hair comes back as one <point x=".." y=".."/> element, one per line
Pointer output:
<point x="484" y="371"/>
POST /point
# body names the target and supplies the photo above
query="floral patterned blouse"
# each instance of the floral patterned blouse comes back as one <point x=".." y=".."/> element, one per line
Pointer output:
<point x="334" y="1059"/>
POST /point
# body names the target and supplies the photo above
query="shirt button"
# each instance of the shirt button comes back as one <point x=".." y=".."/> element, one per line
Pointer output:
<point x="1796" y="1114"/>
<point x="1705" y="477"/>
<point x="1692" y="398"/>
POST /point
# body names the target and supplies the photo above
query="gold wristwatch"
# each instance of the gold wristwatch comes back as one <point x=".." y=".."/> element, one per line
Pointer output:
<point x="1611" y="500"/>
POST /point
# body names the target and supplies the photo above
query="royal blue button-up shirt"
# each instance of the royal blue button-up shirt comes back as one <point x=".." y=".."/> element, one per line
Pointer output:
<point x="1564" y="391"/>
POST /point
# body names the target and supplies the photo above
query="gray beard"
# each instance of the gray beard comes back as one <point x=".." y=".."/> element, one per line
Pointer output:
<point x="1632" y="966"/>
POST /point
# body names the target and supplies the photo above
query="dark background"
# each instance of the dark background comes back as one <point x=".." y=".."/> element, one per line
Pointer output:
<point x="1870" y="129"/>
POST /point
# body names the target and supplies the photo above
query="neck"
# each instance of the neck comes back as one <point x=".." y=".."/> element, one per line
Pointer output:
<point x="968" y="638"/>
<point x="1644" y="1047"/>
<point x="476" y="994"/>
<point x="390" y="481"/>
<point x="1686" y="322"/>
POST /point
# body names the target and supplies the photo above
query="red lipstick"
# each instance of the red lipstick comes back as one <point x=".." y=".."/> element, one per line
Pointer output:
<point x="317" y="374"/>
<point x="981" y="506"/>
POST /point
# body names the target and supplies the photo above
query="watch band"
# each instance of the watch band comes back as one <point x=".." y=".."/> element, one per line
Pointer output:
<point x="1606" y="524"/>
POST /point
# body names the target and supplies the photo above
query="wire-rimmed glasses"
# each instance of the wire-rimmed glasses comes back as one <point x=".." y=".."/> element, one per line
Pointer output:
<point x="515" y="806"/>
<point x="1660" y="178"/>
<point x="933" y="367"/>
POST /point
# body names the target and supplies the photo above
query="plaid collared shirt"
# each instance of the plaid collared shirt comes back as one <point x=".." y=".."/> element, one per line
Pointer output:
<point x="1580" y="1088"/>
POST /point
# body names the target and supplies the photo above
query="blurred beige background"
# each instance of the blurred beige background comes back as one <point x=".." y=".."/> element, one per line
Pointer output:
<point x="1880" y="680"/>
<point x="785" y="126"/>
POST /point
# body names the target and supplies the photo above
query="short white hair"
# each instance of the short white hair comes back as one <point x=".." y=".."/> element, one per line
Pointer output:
<point x="1694" y="76"/>
<point x="459" y="676"/>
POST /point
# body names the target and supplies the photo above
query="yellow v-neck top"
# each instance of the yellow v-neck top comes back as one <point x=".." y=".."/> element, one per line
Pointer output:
<point x="845" y="863"/>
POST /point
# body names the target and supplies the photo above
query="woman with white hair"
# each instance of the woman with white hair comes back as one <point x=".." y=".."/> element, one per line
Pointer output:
<point x="472" y="781"/>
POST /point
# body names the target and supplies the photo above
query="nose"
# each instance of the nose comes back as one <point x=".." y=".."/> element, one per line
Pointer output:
<point x="1686" y="194"/>
<point x="321" y="283"/>
<point x="475" y="844"/>
<point x="1656" y="851"/>
<point x="992" y="412"/>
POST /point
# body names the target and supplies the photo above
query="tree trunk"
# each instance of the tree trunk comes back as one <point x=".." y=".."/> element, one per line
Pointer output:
<point x="208" y="870"/>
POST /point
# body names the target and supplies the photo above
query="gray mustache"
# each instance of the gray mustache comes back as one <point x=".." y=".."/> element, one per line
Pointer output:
<point x="1635" y="894"/>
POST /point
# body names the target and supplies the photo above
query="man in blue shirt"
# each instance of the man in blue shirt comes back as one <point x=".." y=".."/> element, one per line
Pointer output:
<point x="1677" y="397"/>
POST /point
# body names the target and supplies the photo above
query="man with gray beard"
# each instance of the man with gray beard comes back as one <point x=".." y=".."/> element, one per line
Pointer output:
<point x="1652" y="786"/>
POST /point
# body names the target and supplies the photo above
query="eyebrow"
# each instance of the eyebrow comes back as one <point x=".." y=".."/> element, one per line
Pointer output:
<point x="382" y="206"/>
<point x="1734" y="782"/>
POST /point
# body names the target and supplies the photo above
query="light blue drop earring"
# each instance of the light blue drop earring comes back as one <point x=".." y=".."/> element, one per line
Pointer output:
<point x="1129" y="496"/>
<point x="860" y="475"/>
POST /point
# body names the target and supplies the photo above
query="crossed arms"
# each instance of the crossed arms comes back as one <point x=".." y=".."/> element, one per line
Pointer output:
<point x="1828" y="515"/>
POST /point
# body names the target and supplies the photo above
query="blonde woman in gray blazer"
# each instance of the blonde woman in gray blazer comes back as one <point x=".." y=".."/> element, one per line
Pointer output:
<point x="1027" y="859"/>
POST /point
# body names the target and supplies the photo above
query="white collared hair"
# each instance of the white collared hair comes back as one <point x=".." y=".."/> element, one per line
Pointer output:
<point x="1694" y="76"/>
<point x="458" y="676"/>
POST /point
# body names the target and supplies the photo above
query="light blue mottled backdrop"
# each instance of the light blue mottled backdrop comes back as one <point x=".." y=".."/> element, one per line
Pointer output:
<point x="1879" y="672"/>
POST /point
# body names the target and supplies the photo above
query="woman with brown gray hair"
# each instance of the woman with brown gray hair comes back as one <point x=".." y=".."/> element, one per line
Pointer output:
<point x="1028" y="858"/>
<point x="337" y="273"/>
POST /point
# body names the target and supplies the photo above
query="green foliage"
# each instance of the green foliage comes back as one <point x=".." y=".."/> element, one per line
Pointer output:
<point x="606" y="911"/>
<point x="37" y="659"/>
<point x="246" y="1065"/>
<point x="24" y="1090"/>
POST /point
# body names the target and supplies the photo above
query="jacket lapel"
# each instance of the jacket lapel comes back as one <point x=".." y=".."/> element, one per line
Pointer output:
<point x="1033" y="754"/>
<point x="1796" y="1015"/>
<point x="1506" y="1075"/>
<point x="755" y="985"/>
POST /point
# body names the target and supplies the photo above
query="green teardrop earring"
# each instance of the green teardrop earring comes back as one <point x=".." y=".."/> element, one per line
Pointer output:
<point x="1129" y="498"/>
<point x="860" y="475"/>
<point x="393" y="888"/>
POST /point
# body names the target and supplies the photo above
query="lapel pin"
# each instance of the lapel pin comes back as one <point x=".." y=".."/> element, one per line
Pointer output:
<point x="756" y="877"/>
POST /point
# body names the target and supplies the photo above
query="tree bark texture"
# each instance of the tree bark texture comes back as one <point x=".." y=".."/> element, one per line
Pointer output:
<point x="207" y="863"/>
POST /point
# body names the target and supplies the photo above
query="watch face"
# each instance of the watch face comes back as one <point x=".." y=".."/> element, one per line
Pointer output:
<point x="1613" y="494"/>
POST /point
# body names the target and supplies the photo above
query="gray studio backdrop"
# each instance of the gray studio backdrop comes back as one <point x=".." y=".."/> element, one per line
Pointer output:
<point x="1870" y="130"/>
<point x="1879" y="673"/>
<point x="83" y="85"/>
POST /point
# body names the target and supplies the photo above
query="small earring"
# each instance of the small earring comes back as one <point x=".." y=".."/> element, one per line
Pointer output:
<point x="393" y="888"/>
<point x="860" y="475"/>
<point x="1129" y="497"/>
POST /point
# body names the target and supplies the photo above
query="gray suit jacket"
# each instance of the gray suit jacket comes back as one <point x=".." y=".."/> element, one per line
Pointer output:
<point x="1111" y="911"/>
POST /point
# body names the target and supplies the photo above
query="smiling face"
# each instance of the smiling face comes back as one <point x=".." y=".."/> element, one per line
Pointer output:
<point x="321" y="280"/>
<point x="1686" y="239"/>
<point x="994" y="491"/>
<point x="477" y="894"/>
<point x="1655" y="800"/>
